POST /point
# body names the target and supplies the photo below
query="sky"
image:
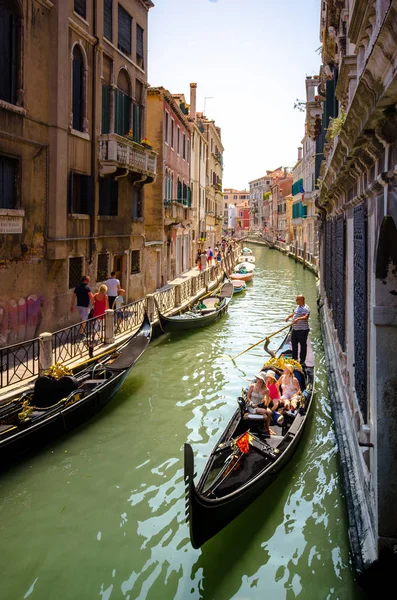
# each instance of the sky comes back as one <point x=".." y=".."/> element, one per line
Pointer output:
<point x="249" y="60"/>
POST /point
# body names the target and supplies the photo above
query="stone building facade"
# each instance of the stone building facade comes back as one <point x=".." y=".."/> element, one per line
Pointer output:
<point x="72" y="169"/>
<point x="358" y="206"/>
<point x="198" y="172"/>
<point x="168" y="204"/>
<point x="214" y="174"/>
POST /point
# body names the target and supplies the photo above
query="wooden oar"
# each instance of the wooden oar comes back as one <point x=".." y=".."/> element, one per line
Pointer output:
<point x="265" y="339"/>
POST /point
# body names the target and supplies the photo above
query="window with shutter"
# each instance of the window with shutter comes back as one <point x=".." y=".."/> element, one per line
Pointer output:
<point x="105" y="127"/>
<point x="125" y="24"/>
<point x="108" y="197"/>
<point x="77" y="89"/>
<point x="9" y="168"/>
<point x="8" y="53"/>
<point x="108" y="19"/>
<point x="80" y="7"/>
<point x="123" y="107"/>
<point x="137" y="122"/>
<point x="139" y="47"/>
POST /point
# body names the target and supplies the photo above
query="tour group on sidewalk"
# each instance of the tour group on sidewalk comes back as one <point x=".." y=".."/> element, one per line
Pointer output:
<point x="110" y="322"/>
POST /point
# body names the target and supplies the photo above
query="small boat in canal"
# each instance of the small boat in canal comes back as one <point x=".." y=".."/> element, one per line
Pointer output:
<point x="243" y="258"/>
<point x="241" y="276"/>
<point x="245" y="461"/>
<point x="244" y="266"/>
<point x="204" y="312"/>
<point x="239" y="286"/>
<point x="60" y="400"/>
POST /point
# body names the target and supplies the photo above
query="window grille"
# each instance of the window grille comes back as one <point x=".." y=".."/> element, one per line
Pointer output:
<point x="125" y="23"/>
<point x="102" y="267"/>
<point x="75" y="271"/>
<point x="135" y="262"/>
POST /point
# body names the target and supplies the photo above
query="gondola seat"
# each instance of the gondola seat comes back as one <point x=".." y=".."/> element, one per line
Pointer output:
<point x="49" y="391"/>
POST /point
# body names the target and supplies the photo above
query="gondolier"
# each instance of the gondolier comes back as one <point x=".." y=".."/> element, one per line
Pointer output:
<point x="300" y="329"/>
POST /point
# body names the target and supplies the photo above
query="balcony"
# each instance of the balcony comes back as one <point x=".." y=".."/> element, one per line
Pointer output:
<point x="177" y="211"/>
<point x="118" y="152"/>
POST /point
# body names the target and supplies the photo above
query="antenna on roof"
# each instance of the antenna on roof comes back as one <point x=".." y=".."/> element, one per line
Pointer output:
<point x="205" y="101"/>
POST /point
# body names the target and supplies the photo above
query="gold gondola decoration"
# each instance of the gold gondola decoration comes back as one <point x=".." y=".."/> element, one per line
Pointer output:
<point x="58" y="371"/>
<point x="24" y="415"/>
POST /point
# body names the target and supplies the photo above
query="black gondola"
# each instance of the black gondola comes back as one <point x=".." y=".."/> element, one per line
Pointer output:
<point x="233" y="477"/>
<point x="53" y="406"/>
<point x="205" y="311"/>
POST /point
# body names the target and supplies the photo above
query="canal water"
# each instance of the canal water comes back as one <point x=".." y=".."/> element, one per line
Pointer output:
<point x="101" y="513"/>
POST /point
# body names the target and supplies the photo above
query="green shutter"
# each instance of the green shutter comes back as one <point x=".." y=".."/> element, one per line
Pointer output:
<point x="105" y="109"/>
<point x="136" y="122"/>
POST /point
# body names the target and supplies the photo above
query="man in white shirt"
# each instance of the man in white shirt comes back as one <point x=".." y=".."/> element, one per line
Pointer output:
<point x="113" y="288"/>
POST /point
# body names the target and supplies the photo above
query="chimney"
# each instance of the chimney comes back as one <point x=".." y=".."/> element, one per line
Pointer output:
<point x="193" y="87"/>
<point x="300" y="153"/>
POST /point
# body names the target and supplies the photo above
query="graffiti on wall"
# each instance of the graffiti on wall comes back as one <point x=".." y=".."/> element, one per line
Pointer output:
<point x="20" y="319"/>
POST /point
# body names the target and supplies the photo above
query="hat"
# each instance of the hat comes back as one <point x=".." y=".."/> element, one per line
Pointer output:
<point x="271" y="374"/>
<point x="261" y="375"/>
<point x="290" y="368"/>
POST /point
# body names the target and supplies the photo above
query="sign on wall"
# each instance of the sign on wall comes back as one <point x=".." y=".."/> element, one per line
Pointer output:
<point x="11" y="224"/>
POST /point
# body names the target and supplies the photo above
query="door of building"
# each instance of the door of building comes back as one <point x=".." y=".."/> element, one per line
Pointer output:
<point x="118" y="267"/>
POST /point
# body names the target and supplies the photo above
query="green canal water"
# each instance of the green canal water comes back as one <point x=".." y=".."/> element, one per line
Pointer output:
<point x="101" y="513"/>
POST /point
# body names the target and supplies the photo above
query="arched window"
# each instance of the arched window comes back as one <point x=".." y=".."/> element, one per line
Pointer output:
<point x="78" y="89"/>
<point x="9" y="49"/>
<point x="122" y="122"/>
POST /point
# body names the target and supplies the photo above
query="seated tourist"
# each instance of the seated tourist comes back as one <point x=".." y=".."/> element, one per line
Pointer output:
<point x="290" y="388"/>
<point x="273" y="389"/>
<point x="258" y="400"/>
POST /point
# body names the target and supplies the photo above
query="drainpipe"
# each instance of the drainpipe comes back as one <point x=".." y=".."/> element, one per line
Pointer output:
<point x="92" y="246"/>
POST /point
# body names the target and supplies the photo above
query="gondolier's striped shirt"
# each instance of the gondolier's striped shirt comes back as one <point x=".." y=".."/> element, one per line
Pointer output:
<point x="300" y="311"/>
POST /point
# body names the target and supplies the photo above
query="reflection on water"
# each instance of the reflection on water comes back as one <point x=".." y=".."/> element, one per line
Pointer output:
<point x="101" y="514"/>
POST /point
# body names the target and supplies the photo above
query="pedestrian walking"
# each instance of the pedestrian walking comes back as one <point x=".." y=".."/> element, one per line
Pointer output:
<point x="204" y="260"/>
<point x="113" y="286"/>
<point x="300" y="329"/>
<point x="83" y="296"/>
<point x="210" y="255"/>
<point x="198" y="260"/>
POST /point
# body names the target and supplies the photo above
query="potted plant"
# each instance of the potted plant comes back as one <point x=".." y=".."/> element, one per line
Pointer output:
<point x="129" y="135"/>
<point x="145" y="142"/>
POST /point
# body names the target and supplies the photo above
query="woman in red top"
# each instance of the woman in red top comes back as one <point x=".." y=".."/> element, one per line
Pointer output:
<point x="101" y="304"/>
<point x="272" y="387"/>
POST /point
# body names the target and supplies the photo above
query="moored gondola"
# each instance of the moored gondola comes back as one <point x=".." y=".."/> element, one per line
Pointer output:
<point x="59" y="402"/>
<point x="204" y="312"/>
<point x="245" y="461"/>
